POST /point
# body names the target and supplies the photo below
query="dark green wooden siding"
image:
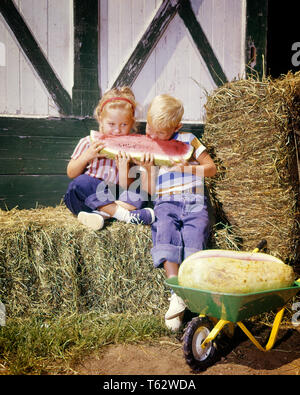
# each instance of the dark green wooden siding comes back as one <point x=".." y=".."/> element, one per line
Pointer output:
<point x="34" y="156"/>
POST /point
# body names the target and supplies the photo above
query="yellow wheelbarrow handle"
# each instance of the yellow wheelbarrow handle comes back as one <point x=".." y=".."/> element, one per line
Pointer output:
<point x="273" y="333"/>
<point x="262" y="244"/>
<point x="221" y="323"/>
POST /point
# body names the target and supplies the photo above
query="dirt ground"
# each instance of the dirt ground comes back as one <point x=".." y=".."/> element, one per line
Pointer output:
<point x="238" y="356"/>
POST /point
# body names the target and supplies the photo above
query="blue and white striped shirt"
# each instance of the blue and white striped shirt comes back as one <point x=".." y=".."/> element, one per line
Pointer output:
<point x="174" y="182"/>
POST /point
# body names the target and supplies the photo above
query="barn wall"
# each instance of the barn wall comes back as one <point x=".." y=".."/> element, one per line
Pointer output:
<point x="22" y="91"/>
<point x="175" y="65"/>
<point x="38" y="132"/>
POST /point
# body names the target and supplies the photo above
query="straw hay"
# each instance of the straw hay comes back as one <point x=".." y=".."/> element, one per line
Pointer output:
<point x="248" y="130"/>
<point x="51" y="264"/>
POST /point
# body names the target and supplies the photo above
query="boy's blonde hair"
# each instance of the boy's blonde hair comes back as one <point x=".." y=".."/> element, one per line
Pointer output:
<point x="165" y="112"/>
<point x="113" y="99"/>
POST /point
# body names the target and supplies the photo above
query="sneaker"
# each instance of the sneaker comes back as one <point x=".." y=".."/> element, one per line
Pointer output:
<point x="177" y="306"/>
<point x="145" y="216"/>
<point x="93" y="221"/>
<point x="175" y="323"/>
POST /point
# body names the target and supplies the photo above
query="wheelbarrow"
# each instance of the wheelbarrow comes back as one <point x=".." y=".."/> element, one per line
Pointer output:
<point x="225" y="311"/>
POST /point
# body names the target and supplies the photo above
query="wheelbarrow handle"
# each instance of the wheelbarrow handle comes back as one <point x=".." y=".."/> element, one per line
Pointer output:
<point x="262" y="244"/>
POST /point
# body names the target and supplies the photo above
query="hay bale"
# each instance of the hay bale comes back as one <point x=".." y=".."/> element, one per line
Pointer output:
<point x="248" y="131"/>
<point x="118" y="275"/>
<point x="51" y="264"/>
<point x="37" y="262"/>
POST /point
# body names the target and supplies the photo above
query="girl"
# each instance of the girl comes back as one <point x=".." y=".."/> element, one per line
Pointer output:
<point x="97" y="181"/>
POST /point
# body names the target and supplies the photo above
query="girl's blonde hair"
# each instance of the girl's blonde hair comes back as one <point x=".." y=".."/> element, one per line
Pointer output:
<point x="122" y="98"/>
<point x="165" y="112"/>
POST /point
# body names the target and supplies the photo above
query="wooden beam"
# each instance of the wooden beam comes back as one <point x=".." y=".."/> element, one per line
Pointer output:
<point x="55" y="127"/>
<point x="155" y="30"/>
<point x="186" y="13"/>
<point x="31" y="146"/>
<point x="256" y="36"/>
<point x="35" y="55"/>
<point x="86" y="91"/>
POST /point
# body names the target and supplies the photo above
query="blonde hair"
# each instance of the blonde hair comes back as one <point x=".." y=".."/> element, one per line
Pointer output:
<point x="122" y="98"/>
<point x="165" y="112"/>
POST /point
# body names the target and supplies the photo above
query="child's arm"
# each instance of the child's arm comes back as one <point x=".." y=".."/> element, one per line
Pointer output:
<point x="123" y="165"/>
<point x="76" y="166"/>
<point x="148" y="176"/>
<point x="207" y="166"/>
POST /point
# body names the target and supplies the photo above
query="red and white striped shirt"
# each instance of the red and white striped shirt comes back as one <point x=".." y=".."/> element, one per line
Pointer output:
<point x="103" y="168"/>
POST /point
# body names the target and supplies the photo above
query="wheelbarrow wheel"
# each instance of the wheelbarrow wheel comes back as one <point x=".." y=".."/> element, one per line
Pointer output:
<point x="196" y="357"/>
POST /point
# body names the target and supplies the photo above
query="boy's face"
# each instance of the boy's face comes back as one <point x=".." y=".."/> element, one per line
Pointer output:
<point x="160" y="134"/>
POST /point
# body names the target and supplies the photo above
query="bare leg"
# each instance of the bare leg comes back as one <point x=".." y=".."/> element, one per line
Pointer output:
<point x="171" y="269"/>
<point x="123" y="212"/>
<point x="174" y="315"/>
<point x="128" y="206"/>
<point x="111" y="208"/>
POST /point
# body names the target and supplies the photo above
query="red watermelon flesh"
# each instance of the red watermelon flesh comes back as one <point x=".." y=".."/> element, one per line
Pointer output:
<point x="137" y="144"/>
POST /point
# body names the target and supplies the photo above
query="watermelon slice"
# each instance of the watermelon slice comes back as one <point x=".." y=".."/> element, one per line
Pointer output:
<point x="137" y="144"/>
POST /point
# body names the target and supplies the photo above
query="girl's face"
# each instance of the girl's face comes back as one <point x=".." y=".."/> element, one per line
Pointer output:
<point x="116" y="122"/>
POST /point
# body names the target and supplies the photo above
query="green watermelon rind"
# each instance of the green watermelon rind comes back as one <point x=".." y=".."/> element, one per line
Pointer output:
<point x="159" y="160"/>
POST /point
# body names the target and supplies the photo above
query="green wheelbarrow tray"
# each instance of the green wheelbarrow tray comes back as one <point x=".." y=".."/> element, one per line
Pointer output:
<point x="233" y="307"/>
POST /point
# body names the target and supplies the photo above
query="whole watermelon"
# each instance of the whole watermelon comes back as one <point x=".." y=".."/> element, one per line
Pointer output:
<point x="234" y="272"/>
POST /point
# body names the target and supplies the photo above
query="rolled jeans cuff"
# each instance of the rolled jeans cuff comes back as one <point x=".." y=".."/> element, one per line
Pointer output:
<point x="166" y="252"/>
<point x="188" y="251"/>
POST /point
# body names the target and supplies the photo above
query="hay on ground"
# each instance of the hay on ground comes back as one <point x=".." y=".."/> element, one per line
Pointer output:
<point x="51" y="264"/>
<point x="249" y="132"/>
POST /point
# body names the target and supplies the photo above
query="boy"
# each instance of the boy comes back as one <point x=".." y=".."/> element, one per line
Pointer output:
<point x="181" y="226"/>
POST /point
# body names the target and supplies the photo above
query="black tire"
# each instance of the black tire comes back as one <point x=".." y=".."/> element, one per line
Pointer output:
<point x="196" y="357"/>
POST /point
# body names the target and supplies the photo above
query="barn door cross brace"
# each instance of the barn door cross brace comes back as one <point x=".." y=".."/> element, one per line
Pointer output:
<point x="86" y="89"/>
<point x="85" y="92"/>
<point x="189" y="19"/>
<point x="35" y="55"/>
<point x="154" y="32"/>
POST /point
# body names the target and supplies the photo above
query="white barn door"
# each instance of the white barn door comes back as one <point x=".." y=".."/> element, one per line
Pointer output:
<point x="175" y="62"/>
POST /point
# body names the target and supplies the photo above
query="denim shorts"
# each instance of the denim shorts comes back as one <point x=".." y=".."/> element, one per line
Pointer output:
<point x="86" y="193"/>
<point x="181" y="227"/>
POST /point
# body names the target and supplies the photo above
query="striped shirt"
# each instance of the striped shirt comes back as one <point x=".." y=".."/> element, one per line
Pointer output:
<point x="105" y="169"/>
<point x="172" y="182"/>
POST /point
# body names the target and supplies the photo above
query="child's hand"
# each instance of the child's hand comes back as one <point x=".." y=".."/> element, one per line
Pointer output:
<point x="177" y="167"/>
<point x="94" y="151"/>
<point x="122" y="160"/>
<point x="146" y="161"/>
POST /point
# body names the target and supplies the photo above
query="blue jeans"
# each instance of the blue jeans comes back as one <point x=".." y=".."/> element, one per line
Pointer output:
<point x="87" y="193"/>
<point x="181" y="227"/>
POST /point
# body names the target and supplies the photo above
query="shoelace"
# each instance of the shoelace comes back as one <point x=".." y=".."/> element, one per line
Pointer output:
<point x="135" y="219"/>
